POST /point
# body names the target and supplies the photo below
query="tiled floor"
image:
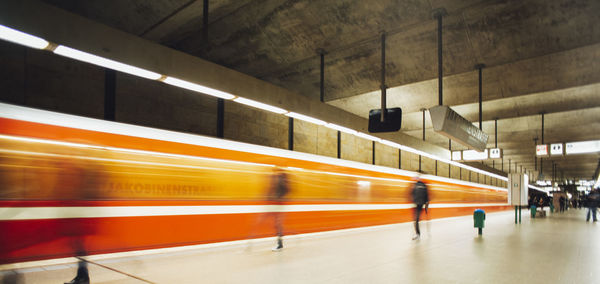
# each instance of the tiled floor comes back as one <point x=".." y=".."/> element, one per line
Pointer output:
<point x="561" y="248"/>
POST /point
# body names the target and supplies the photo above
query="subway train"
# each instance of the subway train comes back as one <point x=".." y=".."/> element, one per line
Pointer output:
<point x="74" y="185"/>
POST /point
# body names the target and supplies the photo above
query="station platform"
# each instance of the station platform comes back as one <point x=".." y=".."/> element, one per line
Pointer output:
<point x="559" y="248"/>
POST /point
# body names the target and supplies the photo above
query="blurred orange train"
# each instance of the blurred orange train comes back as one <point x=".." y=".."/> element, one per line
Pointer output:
<point x="78" y="185"/>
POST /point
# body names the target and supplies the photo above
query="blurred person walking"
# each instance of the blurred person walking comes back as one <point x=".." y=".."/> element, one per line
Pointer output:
<point x="420" y="197"/>
<point x="593" y="201"/>
<point x="78" y="181"/>
<point x="278" y="190"/>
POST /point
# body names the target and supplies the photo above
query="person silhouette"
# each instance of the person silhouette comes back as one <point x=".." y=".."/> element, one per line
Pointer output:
<point x="278" y="190"/>
<point x="420" y="197"/>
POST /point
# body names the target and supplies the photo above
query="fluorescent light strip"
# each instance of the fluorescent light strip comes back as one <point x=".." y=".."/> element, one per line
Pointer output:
<point x="259" y="105"/>
<point x="341" y="128"/>
<point x="197" y="88"/>
<point x="105" y="62"/>
<point x="391" y="144"/>
<point x="306" y="118"/>
<point x="476" y="170"/>
<point x="22" y="38"/>
<point x="408" y="149"/>
<point x="414" y="151"/>
<point x="368" y="137"/>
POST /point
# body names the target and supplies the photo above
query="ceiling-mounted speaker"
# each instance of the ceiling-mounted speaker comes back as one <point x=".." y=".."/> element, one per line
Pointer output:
<point x="393" y="120"/>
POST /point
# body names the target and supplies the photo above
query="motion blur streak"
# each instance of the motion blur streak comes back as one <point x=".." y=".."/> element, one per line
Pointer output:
<point x="108" y="192"/>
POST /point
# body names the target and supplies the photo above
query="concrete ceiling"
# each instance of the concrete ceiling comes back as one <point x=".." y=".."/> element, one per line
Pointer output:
<point x="540" y="56"/>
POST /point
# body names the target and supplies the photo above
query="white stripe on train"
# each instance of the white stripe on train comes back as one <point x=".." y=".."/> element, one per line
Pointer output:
<point x="36" y="213"/>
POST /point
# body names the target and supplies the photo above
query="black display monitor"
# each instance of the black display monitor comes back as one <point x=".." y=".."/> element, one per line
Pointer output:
<point x="393" y="120"/>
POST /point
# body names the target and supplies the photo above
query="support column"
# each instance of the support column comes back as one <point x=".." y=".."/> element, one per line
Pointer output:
<point x="479" y="67"/>
<point x="220" y="117"/>
<point x="399" y="159"/>
<point x="520" y="214"/>
<point x="535" y="140"/>
<point x="439" y="15"/>
<point x="110" y="89"/>
<point x="339" y="144"/>
<point x="290" y="133"/>
<point x="373" y="152"/>
<point x="450" y="165"/>
<point x="422" y="110"/>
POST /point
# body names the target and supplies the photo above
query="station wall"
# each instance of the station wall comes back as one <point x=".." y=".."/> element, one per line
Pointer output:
<point x="43" y="80"/>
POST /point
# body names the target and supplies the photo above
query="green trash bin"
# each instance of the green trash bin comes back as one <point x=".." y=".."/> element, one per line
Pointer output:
<point x="533" y="209"/>
<point x="479" y="220"/>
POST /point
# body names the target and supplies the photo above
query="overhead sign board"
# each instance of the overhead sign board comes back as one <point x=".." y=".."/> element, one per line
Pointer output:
<point x="495" y="153"/>
<point x="556" y="149"/>
<point x="472" y="155"/>
<point x="456" y="155"/>
<point x="541" y="150"/>
<point x="450" y="124"/>
<point x="582" y="147"/>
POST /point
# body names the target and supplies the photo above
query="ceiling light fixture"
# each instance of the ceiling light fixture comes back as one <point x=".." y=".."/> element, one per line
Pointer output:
<point x="22" y="38"/>
<point x="341" y="128"/>
<point x="197" y="88"/>
<point x="391" y="144"/>
<point x="259" y="105"/>
<point x="105" y="62"/>
<point x="306" y="118"/>
<point x="368" y="137"/>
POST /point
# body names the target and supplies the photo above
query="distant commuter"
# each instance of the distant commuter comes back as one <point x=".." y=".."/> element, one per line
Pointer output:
<point x="562" y="202"/>
<point x="541" y="202"/>
<point x="279" y="189"/>
<point x="593" y="201"/>
<point x="420" y="197"/>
